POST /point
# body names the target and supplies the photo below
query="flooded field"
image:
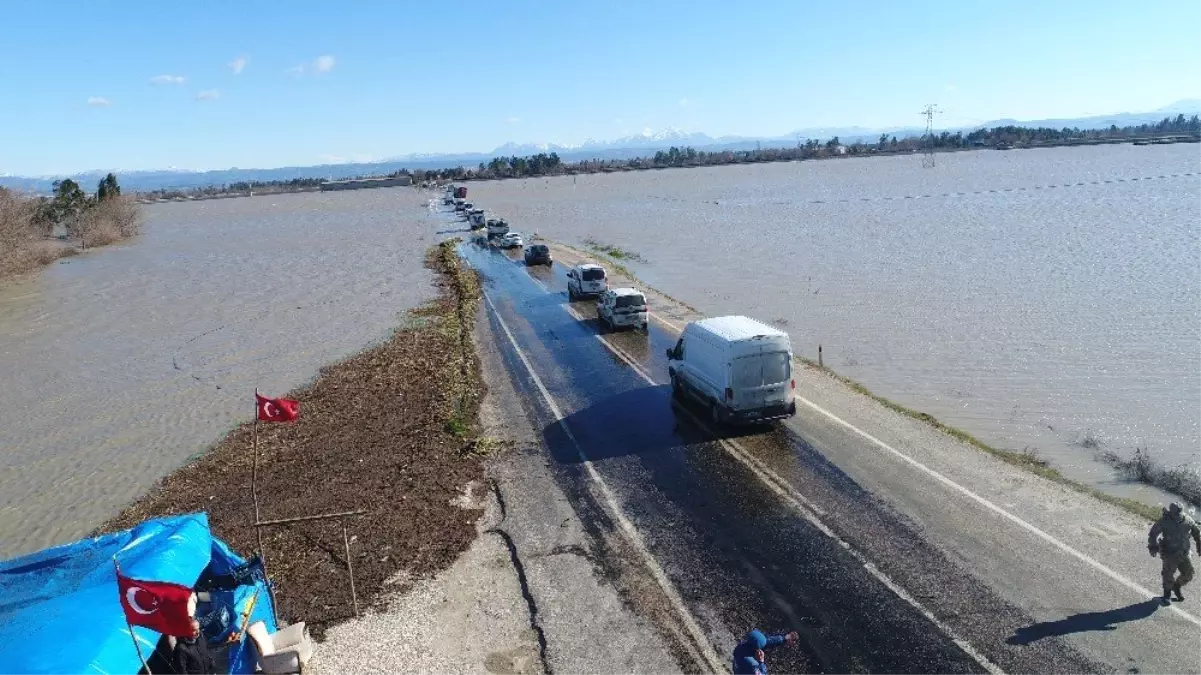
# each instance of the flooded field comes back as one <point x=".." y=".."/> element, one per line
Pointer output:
<point x="1048" y="299"/>
<point x="120" y="364"/>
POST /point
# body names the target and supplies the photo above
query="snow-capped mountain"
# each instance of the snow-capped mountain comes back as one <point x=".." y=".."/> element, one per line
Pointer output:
<point x="656" y="139"/>
<point x="523" y="149"/>
<point x="647" y="139"/>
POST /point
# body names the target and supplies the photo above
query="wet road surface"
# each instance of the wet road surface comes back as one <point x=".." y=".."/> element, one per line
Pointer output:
<point x="749" y="528"/>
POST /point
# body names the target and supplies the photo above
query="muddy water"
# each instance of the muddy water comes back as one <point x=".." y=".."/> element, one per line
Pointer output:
<point x="1048" y="299"/>
<point x="1036" y="298"/>
<point x="120" y="364"/>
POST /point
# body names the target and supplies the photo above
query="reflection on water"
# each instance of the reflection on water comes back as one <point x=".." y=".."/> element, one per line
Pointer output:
<point x="120" y="364"/>
<point x="1035" y="298"/>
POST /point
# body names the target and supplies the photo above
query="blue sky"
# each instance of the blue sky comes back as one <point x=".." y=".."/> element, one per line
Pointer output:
<point x="272" y="84"/>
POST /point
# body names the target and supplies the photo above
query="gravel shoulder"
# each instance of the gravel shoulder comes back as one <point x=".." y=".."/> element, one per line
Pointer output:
<point x="529" y="596"/>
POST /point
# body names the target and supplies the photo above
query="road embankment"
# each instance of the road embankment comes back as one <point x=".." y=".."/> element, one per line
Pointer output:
<point x="390" y="431"/>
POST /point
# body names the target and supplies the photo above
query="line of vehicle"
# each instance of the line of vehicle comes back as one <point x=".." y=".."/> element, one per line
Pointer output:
<point x="1017" y="520"/>
<point x="808" y="511"/>
<point x="702" y="650"/>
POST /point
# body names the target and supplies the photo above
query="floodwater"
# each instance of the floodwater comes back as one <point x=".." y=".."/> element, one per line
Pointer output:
<point x="1043" y="299"/>
<point x="1035" y="298"/>
<point x="119" y="365"/>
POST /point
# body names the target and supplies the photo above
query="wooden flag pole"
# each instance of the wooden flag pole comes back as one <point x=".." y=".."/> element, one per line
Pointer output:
<point x="254" y="482"/>
<point x="254" y="491"/>
<point x="138" y="647"/>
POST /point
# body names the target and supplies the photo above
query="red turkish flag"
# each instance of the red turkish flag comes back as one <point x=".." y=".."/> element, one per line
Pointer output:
<point x="157" y="605"/>
<point x="277" y="409"/>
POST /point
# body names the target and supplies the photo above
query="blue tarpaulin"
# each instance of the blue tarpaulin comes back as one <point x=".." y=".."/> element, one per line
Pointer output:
<point x="60" y="611"/>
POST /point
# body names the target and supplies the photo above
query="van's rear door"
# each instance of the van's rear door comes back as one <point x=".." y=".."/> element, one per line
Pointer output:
<point x="761" y="379"/>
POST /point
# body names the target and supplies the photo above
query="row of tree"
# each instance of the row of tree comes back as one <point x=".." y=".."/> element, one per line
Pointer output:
<point x="245" y="187"/>
<point x="1004" y="136"/>
<point x="550" y="164"/>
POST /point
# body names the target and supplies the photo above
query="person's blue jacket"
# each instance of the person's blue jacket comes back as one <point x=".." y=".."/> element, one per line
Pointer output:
<point x="745" y="661"/>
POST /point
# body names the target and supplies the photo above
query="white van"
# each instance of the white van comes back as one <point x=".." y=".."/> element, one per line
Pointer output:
<point x="739" y="367"/>
<point x="585" y="280"/>
<point x="622" y="308"/>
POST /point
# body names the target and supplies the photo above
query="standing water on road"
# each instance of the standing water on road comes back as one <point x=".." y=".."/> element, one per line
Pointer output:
<point x="120" y="364"/>
<point x="1045" y="299"/>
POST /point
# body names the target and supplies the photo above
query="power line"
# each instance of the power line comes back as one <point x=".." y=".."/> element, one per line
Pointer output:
<point x="928" y="147"/>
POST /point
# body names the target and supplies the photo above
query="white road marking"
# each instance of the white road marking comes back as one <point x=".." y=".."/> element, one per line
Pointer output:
<point x="1029" y="527"/>
<point x="702" y="650"/>
<point x="1017" y="520"/>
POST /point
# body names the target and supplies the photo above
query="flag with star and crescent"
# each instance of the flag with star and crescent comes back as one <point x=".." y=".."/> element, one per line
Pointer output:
<point x="277" y="409"/>
<point x="157" y="605"/>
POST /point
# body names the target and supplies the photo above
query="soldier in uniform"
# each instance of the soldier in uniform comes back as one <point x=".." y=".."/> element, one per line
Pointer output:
<point x="1169" y="539"/>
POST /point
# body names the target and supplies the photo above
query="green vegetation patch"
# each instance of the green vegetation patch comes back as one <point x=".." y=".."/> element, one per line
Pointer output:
<point x="613" y="252"/>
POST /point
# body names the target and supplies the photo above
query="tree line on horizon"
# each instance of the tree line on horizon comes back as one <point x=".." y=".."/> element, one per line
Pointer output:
<point x="550" y="164"/>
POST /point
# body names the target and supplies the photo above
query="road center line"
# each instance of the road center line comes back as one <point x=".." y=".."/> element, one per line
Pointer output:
<point x="702" y="651"/>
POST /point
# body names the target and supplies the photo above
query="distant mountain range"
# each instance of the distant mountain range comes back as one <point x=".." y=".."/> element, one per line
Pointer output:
<point x="620" y="148"/>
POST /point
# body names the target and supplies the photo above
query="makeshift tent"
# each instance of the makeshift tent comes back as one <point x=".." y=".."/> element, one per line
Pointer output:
<point x="60" y="611"/>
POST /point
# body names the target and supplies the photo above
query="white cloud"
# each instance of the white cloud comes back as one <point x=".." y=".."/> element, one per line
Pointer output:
<point x="99" y="102"/>
<point x="168" y="79"/>
<point x="684" y="102"/>
<point x="513" y="120"/>
<point x="238" y="65"/>
<point x="323" y="64"/>
<point x="208" y="95"/>
<point x="951" y="87"/>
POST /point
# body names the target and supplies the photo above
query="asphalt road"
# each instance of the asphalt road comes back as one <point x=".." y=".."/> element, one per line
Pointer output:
<point x="735" y="530"/>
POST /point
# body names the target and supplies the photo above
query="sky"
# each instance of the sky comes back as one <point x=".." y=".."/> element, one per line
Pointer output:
<point x="213" y="85"/>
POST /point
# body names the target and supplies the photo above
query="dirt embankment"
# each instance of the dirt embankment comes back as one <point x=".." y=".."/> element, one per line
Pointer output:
<point x="25" y="234"/>
<point x="389" y="431"/>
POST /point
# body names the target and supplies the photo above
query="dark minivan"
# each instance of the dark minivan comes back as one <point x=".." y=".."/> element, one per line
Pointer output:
<point x="537" y="254"/>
